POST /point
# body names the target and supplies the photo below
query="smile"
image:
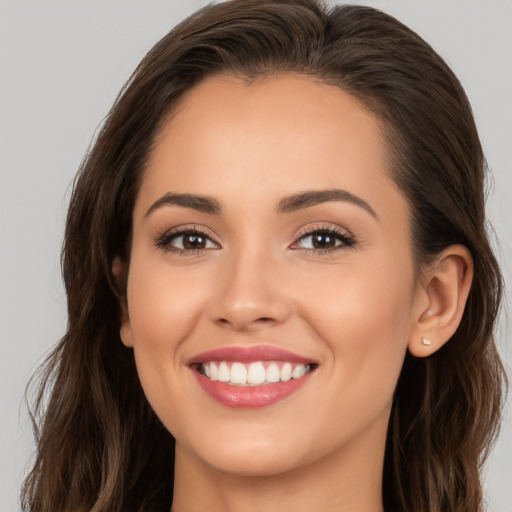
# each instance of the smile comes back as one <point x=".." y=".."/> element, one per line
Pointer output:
<point x="250" y="377"/>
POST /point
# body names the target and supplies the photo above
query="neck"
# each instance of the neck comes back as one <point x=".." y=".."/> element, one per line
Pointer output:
<point x="348" y="481"/>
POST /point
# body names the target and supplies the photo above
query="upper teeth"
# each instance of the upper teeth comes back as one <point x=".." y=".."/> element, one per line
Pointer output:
<point x="253" y="374"/>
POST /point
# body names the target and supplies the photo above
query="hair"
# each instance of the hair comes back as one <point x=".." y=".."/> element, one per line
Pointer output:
<point x="100" y="447"/>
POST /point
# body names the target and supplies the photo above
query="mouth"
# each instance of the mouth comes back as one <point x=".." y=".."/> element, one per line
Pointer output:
<point x="249" y="377"/>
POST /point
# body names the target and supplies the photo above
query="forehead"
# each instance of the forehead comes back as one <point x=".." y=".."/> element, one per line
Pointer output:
<point x="272" y="137"/>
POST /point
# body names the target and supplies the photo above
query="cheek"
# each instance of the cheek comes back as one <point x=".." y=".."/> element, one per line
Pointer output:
<point x="163" y="306"/>
<point x="364" y="317"/>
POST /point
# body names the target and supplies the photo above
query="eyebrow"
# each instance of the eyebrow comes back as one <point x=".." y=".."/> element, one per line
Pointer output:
<point x="302" y="200"/>
<point x="311" y="198"/>
<point x="203" y="204"/>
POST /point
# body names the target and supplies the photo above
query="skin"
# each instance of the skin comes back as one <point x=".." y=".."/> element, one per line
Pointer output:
<point x="354" y="310"/>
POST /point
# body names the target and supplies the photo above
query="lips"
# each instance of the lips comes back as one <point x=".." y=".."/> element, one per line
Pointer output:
<point x="249" y="377"/>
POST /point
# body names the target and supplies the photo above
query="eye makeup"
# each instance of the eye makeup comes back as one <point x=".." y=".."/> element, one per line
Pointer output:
<point x="193" y="239"/>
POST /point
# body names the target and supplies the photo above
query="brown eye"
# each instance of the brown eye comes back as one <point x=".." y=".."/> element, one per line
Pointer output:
<point x="194" y="241"/>
<point x="191" y="241"/>
<point x="324" y="240"/>
<point x="186" y="241"/>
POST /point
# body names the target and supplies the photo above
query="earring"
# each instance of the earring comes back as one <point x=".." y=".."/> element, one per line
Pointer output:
<point x="425" y="341"/>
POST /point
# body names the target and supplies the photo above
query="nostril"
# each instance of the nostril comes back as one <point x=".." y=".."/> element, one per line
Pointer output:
<point x="245" y="324"/>
<point x="248" y="312"/>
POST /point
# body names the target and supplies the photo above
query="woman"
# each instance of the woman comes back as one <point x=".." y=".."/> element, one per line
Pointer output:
<point x="279" y="280"/>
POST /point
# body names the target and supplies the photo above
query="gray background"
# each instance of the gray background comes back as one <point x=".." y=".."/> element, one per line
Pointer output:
<point x="62" y="64"/>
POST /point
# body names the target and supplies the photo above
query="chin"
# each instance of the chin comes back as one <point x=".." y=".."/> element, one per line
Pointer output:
<point x="251" y="456"/>
<point x="254" y="463"/>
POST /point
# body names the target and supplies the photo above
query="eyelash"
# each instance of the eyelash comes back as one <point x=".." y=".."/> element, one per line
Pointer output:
<point x="164" y="241"/>
<point x="345" y="237"/>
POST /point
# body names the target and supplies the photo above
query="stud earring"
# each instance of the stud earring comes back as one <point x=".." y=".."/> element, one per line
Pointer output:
<point x="425" y="341"/>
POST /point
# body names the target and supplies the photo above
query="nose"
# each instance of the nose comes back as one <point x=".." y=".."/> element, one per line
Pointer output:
<point x="250" y="294"/>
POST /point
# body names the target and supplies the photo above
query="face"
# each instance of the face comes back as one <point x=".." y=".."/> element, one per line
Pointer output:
<point x="271" y="291"/>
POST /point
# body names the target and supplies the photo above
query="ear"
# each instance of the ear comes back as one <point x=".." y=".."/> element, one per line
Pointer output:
<point x="120" y="274"/>
<point x="440" y="300"/>
<point x="125" y="332"/>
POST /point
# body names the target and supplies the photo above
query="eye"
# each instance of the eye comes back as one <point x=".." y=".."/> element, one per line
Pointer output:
<point x="324" y="239"/>
<point x="183" y="240"/>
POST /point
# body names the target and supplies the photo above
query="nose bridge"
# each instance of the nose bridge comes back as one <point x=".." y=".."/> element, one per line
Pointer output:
<point x="249" y="292"/>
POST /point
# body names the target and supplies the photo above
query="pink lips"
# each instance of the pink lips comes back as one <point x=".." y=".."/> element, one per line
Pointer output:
<point x="248" y="396"/>
<point x="248" y="355"/>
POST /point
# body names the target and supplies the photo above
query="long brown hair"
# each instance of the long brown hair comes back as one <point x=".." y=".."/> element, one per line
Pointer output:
<point x="100" y="446"/>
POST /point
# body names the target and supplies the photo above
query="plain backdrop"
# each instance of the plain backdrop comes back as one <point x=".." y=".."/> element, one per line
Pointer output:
<point x="62" y="64"/>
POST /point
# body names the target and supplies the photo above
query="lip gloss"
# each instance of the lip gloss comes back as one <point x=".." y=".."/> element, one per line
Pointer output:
<point x="240" y="396"/>
<point x="249" y="397"/>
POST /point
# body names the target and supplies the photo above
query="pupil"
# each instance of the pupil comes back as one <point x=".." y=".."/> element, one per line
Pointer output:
<point x="193" y="242"/>
<point x="323" y="240"/>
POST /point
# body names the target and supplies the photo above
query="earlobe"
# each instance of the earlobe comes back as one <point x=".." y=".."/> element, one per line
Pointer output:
<point x="119" y="273"/>
<point x="125" y="332"/>
<point x="441" y="300"/>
